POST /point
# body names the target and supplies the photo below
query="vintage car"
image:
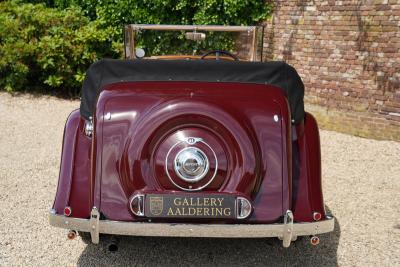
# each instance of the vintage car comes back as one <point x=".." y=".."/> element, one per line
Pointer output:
<point x="207" y="144"/>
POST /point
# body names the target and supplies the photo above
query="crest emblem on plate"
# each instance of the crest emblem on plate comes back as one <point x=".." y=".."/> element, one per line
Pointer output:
<point x="156" y="205"/>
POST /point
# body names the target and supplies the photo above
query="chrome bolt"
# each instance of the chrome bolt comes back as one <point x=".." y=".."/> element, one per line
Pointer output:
<point x="276" y="118"/>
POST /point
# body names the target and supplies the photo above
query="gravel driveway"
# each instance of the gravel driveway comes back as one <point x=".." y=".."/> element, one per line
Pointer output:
<point x="361" y="180"/>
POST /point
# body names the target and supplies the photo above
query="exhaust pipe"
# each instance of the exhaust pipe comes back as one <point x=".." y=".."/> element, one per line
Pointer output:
<point x="71" y="234"/>
<point x="112" y="245"/>
<point x="314" y="240"/>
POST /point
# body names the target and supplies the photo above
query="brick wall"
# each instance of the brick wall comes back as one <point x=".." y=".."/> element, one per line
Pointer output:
<point x="348" y="55"/>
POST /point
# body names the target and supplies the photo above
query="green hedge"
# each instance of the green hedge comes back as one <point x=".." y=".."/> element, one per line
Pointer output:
<point x="49" y="44"/>
<point x="118" y="13"/>
<point x="46" y="48"/>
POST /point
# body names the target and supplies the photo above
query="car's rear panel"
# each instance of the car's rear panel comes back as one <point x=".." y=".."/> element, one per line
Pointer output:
<point x="77" y="186"/>
<point x="245" y="127"/>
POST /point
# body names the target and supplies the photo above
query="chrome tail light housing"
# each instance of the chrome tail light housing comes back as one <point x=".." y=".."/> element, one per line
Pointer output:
<point x="243" y="207"/>
<point x="137" y="205"/>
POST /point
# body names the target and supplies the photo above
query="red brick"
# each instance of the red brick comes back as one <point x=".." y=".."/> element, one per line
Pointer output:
<point x="343" y="48"/>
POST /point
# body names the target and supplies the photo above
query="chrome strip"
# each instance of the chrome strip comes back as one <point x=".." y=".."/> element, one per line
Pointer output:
<point x="194" y="230"/>
<point x="192" y="27"/>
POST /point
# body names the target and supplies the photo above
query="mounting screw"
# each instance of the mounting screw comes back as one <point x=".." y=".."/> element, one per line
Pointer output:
<point x="276" y="118"/>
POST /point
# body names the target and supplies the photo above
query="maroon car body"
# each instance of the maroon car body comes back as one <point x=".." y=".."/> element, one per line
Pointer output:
<point x="266" y="168"/>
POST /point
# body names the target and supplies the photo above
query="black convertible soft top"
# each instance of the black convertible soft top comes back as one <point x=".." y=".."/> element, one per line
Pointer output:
<point x="108" y="71"/>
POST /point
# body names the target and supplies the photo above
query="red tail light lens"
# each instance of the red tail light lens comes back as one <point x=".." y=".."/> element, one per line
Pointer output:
<point x="67" y="211"/>
<point x="317" y="216"/>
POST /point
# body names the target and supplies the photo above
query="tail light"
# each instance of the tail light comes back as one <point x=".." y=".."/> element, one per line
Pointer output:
<point x="67" y="211"/>
<point x="317" y="216"/>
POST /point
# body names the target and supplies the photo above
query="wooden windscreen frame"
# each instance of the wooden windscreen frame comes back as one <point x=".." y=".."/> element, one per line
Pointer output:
<point x="255" y="31"/>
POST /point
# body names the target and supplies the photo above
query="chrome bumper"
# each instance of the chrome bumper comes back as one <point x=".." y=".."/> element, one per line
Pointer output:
<point x="287" y="231"/>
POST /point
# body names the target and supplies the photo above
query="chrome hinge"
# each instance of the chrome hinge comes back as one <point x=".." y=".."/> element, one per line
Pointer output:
<point x="89" y="127"/>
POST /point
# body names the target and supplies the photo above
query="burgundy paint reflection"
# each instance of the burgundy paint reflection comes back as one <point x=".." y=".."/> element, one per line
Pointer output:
<point x="236" y="119"/>
<point x="147" y="119"/>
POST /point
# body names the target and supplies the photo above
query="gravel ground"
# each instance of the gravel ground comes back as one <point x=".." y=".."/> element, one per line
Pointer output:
<point x="361" y="180"/>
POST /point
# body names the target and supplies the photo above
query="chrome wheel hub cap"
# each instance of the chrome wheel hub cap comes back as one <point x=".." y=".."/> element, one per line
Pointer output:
<point x="191" y="164"/>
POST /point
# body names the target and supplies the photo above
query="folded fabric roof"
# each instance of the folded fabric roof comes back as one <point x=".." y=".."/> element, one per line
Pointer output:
<point x="108" y="71"/>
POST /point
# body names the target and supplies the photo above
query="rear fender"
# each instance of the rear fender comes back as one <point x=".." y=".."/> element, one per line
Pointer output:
<point x="73" y="188"/>
<point x="307" y="189"/>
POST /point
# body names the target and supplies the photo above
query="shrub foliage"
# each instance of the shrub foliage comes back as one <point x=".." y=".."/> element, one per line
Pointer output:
<point x="49" y="44"/>
<point x="45" y="48"/>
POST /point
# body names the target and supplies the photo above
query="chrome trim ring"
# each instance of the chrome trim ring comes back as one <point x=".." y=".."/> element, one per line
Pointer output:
<point x="191" y="141"/>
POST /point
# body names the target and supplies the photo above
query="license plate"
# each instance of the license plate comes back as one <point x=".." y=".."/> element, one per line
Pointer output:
<point x="190" y="206"/>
